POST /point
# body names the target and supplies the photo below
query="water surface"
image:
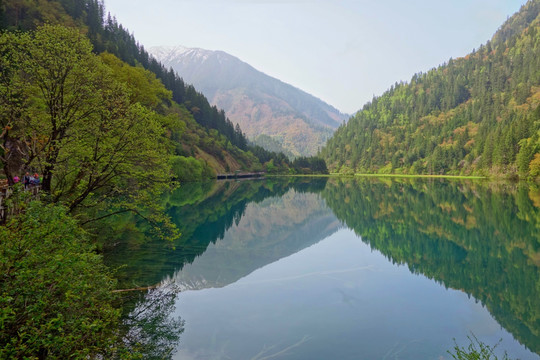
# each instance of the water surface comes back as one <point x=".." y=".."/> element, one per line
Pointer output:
<point x="349" y="269"/>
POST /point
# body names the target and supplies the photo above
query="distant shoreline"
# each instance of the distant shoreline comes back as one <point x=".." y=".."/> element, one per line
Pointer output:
<point x="476" y="177"/>
<point x="424" y="176"/>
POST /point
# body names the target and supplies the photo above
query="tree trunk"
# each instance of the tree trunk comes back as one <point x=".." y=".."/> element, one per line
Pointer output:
<point x="47" y="178"/>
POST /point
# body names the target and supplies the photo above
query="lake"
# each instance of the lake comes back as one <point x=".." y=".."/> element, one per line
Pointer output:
<point x="339" y="269"/>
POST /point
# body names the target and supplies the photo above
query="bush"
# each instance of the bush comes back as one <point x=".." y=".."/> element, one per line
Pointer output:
<point x="188" y="169"/>
<point x="55" y="294"/>
<point x="345" y="170"/>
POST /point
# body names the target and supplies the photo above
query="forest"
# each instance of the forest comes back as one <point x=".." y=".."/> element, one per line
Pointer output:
<point x="208" y="142"/>
<point x="475" y="115"/>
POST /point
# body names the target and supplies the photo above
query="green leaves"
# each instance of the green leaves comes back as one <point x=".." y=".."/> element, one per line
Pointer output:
<point x="55" y="292"/>
<point x="87" y="127"/>
<point x="476" y="350"/>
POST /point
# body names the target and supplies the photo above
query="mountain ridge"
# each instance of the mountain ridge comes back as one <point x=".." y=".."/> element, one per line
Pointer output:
<point x="259" y="103"/>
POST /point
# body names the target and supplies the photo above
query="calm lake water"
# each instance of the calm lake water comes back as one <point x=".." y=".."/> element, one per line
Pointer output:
<point x="341" y="269"/>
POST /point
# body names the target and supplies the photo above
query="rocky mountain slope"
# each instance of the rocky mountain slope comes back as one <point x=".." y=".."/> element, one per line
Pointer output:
<point x="262" y="105"/>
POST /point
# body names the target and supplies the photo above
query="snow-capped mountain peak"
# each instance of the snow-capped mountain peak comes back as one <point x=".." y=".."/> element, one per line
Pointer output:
<point x="169" y="54"/>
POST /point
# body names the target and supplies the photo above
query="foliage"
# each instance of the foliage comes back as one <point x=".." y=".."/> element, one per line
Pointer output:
<point x="211" y="148"/>
<point x="13" y="101"/>
<point x="79" y="128"/>
<point x="310" y="165"/>
<point x="476" y="350"/>
<point x="278" y="163"/>
<point x="96" y="135"/>
<point x="187" y="169"/>
<point x="106" y="34"/>
<point x="143" y="86"/>
<point x="477" y="114"/>
<point x="275" y="163"/>
<point x="345" y="170"/>
<point x="55" y="293"/>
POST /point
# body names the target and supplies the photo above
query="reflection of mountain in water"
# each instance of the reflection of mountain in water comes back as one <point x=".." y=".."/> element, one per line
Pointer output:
<point x="268" y="231"/>
<point x="480" y="239"/>
<point x="204" y="213"/>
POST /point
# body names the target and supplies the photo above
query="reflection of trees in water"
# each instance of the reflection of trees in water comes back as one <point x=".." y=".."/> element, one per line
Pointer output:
<point x="150" y="327"/>
<point x="477" y="237"/>
<point x="203" y="212"/>
<point x="269" y="230"/>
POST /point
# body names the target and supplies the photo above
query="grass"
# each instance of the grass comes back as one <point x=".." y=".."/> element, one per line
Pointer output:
<point x="423" y="176"/>
<point x="382" y="175"/>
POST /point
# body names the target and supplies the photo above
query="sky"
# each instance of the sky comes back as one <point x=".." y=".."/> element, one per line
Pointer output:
<point x="341" y="51"/>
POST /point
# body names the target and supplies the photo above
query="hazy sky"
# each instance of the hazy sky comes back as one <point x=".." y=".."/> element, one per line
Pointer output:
<point x="341" y="51"/>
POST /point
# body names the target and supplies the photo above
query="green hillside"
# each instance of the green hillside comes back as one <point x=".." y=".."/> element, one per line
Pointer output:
<point x="205" y="140"/>
<point x="473" y="115"/>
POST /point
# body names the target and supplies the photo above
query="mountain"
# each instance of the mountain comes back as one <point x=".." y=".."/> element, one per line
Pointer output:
<point x="478" y="114"/>
<point x="261" y="104"/>
<point x="205" y="141"/>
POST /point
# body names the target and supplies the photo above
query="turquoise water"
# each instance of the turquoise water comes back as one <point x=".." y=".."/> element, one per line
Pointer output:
<point x="356" y="269"/>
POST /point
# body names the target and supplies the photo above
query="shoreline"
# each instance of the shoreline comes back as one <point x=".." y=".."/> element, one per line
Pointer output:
<point x="477" y="177"/>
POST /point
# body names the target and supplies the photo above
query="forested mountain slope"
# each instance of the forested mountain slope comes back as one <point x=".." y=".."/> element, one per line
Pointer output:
<point x="260" y="104"/>
<point x="208" y="141"/>
<point x="478" y="114"/>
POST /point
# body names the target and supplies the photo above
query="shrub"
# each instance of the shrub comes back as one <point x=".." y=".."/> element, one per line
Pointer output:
<point x="55" y="294"/>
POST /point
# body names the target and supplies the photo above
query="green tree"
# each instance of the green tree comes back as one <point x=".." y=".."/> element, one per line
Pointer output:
<point x="66" y="82"/>
<point x="525" y="154"/>
<point x="84" y="133"/>
<point x="187" y="169"/>
<point x="13" y="102"/>
<point x="270" y="167"/>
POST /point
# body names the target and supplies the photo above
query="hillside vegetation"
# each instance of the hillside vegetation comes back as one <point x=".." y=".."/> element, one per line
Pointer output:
<point x="474" y="115"/>
<point x="106" y="137"/>
<point x="205" y="133"/>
